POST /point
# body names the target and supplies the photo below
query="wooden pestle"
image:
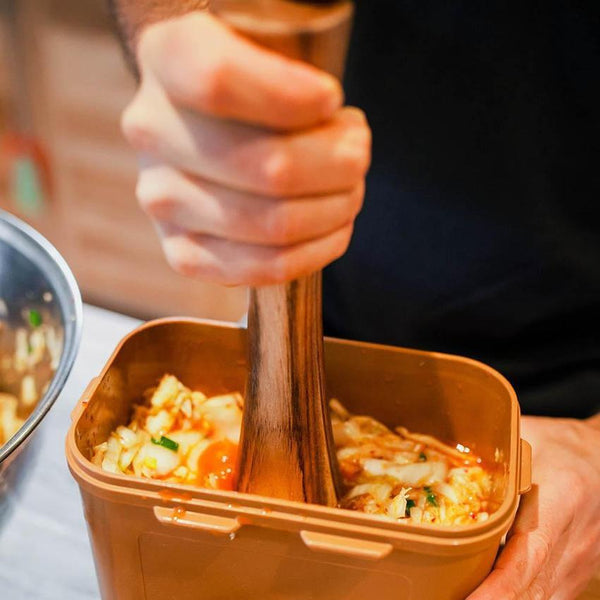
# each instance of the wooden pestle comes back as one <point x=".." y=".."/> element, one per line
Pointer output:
<point x="286" y="447"/>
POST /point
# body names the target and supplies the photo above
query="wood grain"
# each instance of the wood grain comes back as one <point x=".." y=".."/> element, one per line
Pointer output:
<point x="286" y="435"/>
<point x="286" y="448"/>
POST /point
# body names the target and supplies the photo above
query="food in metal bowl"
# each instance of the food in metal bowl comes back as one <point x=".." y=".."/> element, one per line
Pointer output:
<point x="182" y="436"/>
<point x="29" y="356"/>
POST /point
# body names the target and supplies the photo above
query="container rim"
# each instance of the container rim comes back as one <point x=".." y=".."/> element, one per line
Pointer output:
<point x="248" y="509"/>
<point x="500" y="520"/>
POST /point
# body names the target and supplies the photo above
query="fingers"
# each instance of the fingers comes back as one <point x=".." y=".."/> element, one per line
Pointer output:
<point x="201" y="207"/>
<point x="330" y="158"/>
<point x="525" y="555"/>
<point x="552" y="550"/>
<point x="230" y="263"/>
<point x="527" y="566"/>
<point x="515" y="574"/>
<point x="219" y="73"/>
<point x="254" y="174"/>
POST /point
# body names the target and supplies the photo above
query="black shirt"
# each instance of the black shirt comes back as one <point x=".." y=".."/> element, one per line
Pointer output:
<point x="480" y="233"/>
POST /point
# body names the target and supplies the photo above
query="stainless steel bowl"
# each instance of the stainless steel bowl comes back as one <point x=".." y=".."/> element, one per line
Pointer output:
<point x="34" y="275"/>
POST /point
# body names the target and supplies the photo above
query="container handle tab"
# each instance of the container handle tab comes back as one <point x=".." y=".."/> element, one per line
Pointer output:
<point x="352" y="547"/>
<point x="525" y="472"/>
<point x="194" y="520"/>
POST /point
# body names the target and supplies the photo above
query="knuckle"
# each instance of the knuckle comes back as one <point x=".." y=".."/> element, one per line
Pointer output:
<point x="357" y="116"/>
<point x="207" y="86"/>
<point x="277" y="173"/>
<point x="357" y="155"/>
<point x="158" y="207"/>
<point x="343" y="242"/>
<point x="360" y="114"/>
<point x="357" y="197"/>
<point x="541" y="548"/>
<point x="364" y="145"/>
<point x="154" y="192"/>
<point x="147" y="191"/>
<point x="182" y="258"/>
<point x="540" y="589"/>
<point x="137" y="129"/>
<point x="182" y="264"/>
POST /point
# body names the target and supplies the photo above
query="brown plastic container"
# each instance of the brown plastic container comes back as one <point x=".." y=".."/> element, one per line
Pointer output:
<point x="156" y="541"/>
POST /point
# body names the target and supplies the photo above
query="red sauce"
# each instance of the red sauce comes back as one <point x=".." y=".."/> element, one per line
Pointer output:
<point x="219" y="460"/>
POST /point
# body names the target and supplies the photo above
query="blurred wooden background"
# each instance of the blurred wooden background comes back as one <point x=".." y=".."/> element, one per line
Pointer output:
<point x="78" y="85"/>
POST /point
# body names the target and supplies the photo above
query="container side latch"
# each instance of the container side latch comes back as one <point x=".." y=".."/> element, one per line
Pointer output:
<point x="526" y="467"/>
<point x="324" y="542"/>
<point x="194" y="520"/>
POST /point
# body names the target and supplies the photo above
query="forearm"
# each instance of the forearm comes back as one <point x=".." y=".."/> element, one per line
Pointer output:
<point x="131" y="16"/>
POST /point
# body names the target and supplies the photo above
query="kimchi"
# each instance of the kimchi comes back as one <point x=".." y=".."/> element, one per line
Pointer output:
<point x="183" y="436"/>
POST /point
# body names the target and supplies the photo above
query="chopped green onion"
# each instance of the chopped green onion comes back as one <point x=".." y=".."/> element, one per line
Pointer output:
<point x="35" y="319"/>
<point x="432" y="499"/>
<point x="422" y="457"/>
<point x="409" y="504"/>
<point x="29" y="348"/>
<point x="167" y="443"/>
<point x="430" y="495"/>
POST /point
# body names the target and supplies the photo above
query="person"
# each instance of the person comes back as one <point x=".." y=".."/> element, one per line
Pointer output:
<point x="478" y="235"/>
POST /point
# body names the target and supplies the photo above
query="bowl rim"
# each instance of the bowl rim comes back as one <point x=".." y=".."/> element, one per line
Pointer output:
<point x="71" y="343"/>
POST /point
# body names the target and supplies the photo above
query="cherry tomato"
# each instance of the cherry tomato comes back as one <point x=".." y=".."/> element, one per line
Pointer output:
<point x="218" y="460"/>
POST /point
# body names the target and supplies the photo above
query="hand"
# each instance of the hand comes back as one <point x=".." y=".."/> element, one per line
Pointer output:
<point x="250" y="168"/>
<point x="553" y="549"/>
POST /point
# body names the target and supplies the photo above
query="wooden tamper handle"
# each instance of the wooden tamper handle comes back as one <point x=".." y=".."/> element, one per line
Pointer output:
<point x="286" y="447"/>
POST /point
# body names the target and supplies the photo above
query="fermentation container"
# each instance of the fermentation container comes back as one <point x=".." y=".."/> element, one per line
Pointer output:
<point x="154" y="541"/>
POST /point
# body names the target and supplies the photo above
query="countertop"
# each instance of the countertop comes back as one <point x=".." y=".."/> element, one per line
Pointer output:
<point x="44" y="548"/>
